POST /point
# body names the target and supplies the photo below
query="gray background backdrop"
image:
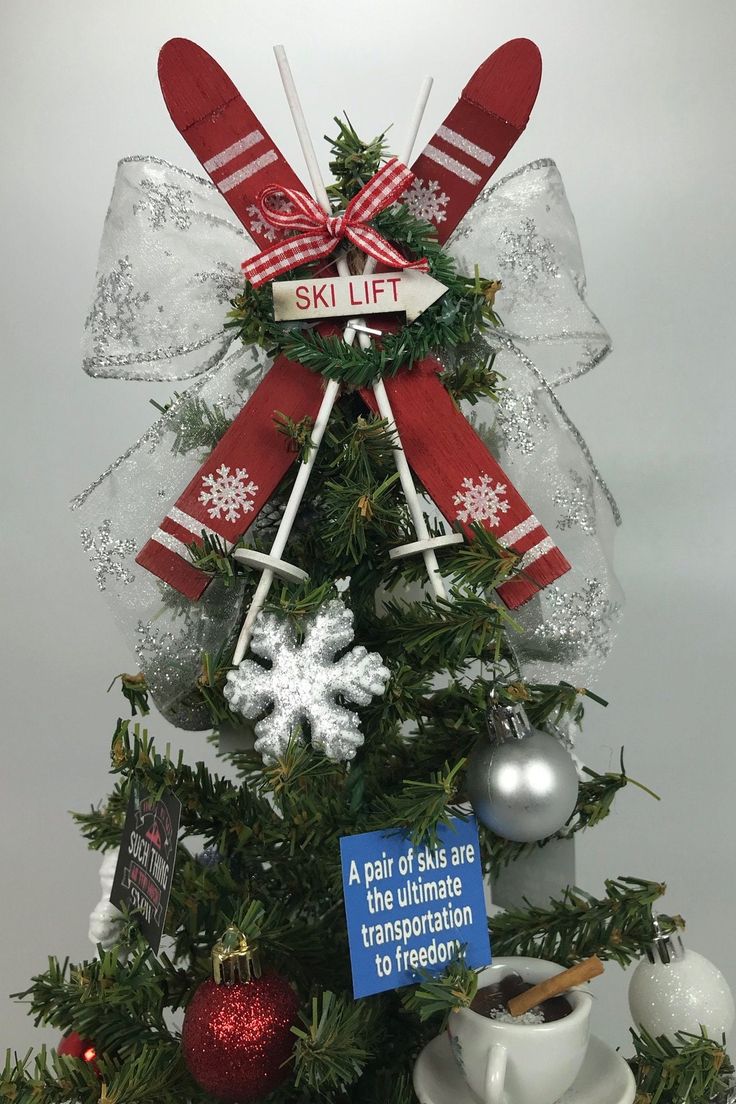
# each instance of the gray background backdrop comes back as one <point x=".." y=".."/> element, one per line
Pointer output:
<point x="637" y="108"/>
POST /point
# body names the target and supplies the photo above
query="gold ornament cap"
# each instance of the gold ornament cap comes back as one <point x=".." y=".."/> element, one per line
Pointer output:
<point x="234" y="959"/>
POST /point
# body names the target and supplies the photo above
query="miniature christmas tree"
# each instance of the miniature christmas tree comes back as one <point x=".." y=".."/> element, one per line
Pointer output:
<point x="422" y="622"/>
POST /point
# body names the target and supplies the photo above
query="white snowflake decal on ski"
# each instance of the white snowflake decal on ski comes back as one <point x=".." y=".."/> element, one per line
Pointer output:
<point x="227" y="495"/>
<point x="481" y="501"/>
<point x="258" y="223"/>
<point x="303" y="682"/>
<point x="426" y="201"/>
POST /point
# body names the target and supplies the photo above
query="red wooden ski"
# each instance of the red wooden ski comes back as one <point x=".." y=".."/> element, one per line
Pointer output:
<point x="237" y="479"/>
<point x="463" y="154"/>
<point x="231" y="144"/>
<point x="465" y="481"/>
<point x="232" y="486"/>
<point x="459" y="473"/>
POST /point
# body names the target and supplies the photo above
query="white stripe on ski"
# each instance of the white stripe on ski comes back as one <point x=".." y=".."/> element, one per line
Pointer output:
<point x="460" y="142"/>
<point x="535" y="553"/>
<point x="452" y="165"/>
<point x="196" y="528"/>
<point x="232" y="151"/>
<point x="172" y="543"/>
<point x="250" y="169"/>
<point x="519" y="531"/>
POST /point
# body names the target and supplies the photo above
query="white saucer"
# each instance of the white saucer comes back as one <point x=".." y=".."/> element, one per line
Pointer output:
<point x="604" y="1079"/>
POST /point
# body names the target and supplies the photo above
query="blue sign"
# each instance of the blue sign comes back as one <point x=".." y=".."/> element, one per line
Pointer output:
<point x="410" y="909"/>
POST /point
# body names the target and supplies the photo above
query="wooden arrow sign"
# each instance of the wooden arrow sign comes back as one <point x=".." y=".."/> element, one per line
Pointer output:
<point x="411" y="292"/>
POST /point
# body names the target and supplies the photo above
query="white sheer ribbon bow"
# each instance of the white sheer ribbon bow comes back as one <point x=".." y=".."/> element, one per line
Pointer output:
<point x="170" y="261"/>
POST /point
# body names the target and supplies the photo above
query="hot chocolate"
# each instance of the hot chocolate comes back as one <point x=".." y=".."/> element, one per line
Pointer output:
<point x="492" y="1001"/>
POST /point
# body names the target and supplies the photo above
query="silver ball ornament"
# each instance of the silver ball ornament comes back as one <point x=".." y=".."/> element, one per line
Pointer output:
<point x="522" y="783"/>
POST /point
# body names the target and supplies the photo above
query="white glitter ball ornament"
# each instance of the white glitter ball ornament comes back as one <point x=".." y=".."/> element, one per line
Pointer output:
<point x="303" y="681"/>
<point x="675" y="989"/>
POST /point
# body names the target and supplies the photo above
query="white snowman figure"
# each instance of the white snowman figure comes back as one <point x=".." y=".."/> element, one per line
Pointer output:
<point x="105" y="920"/>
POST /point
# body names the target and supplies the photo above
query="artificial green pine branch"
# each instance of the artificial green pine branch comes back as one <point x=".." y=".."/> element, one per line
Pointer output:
<point x="312" y="796"/>
<point x="392" y="1088"/>
<point x="211" y="805"/>
<point x="437" y="997"/>
<point x="551" y="702"/>
<point x="135" y="692"/>
<point x="210" y="684"/>
<point x="481" y="562"/>
<point x="691" y="1070"/>
<point x="470" y="380"/>
<point x="577" y="925"/>
<point x="47" y="1078"/>
<point x="120" y="1005"/>
<point x="303" y="784"/>
<point x="215" y="558"/>
<point x="251" y="314"/>
<point x="153" y="1075"/>
<point x="445" y="634"/>
<point x="299" y="434"/>
<point x="360" y="448"/>
<point x="330" y="1051"/>
<point x="422" y="807"/>
<point x="301" y="601"/>
<point x="199" y="425"/>
<point x="102" y="825"/>
<point x="354" y="161"/>
<point x="406" y="691"/>
<point x="361" y="513"/>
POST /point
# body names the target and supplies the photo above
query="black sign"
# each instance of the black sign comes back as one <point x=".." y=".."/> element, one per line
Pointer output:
<point x="145" y="870"/>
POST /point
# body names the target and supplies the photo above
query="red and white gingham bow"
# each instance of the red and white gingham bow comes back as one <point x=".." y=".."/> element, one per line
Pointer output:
<point x="326" y="231"/>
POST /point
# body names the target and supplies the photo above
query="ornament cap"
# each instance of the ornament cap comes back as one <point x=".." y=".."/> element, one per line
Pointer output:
<point x="665" y="947"/>
<point x="507" y="720"/>
<point x="234" y="959"/>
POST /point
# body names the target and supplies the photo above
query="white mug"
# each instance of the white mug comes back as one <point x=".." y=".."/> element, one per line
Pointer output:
<point x="515" y="1063"/>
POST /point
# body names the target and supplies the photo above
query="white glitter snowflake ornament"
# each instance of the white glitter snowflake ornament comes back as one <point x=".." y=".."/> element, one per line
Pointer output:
<point x="303" y="682"/>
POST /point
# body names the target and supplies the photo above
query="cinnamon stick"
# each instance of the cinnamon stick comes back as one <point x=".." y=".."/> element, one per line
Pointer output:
<point x="554" y="986"/>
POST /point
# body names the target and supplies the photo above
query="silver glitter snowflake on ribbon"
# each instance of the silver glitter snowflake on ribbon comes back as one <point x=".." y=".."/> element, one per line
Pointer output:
<point x="107" y="554"/>
<point x="303" y="682"/>
<point x="117" y="304"/>
<point x="575" y="499"/>
<point x="164" y="202"/>
<point x="529" y="253"/>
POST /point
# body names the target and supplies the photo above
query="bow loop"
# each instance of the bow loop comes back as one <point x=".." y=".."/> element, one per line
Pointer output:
<point x="289" y="209"/>
<point x="323" y="232"/>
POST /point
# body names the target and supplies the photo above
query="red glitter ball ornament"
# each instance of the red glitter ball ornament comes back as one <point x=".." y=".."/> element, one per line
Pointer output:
<point x="236" y="1038"/>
